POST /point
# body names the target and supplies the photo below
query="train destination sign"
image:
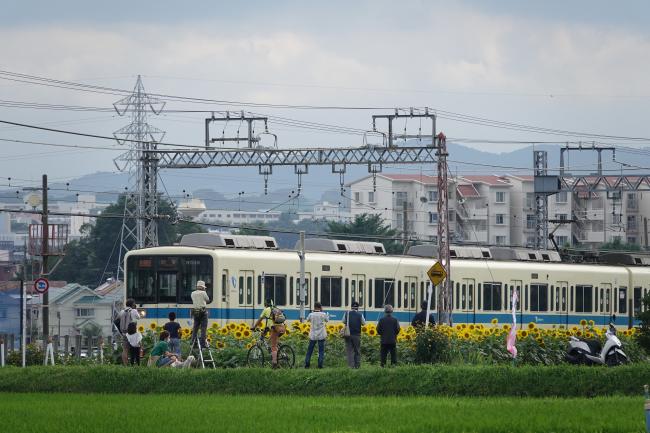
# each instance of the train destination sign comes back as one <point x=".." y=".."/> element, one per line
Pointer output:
<point x="437" y="273"/>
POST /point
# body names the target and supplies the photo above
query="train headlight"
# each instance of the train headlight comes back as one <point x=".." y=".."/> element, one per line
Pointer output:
<point x="142" y="312"/>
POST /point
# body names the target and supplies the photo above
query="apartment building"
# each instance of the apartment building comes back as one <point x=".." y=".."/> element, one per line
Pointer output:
<point x="500" y="210"/>
<point x="236" y="216"/>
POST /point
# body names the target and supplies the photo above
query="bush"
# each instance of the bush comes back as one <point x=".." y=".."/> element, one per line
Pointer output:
<point x="425" y="380"/>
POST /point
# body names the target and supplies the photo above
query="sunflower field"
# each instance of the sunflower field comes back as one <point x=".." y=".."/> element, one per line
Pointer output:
<point x="459" y="344"/>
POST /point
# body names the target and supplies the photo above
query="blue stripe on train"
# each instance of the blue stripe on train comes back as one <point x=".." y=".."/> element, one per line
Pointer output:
<point x="155" y="313"/>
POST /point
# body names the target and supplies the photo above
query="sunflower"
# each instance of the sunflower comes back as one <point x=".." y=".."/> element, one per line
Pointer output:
<point x="221" y="344"/>
<point x="531" y="325"/>
<point x="524" y="334"/>
<point x="232" y="325"/>
<point x="238" y="335"/>
<point x="247" y="333"/>
<point x="364" y="328"/>
<point x="579" y="333"/>
<point x="471" y="327"/>
<point x="506" y="327"/>
<point x="249" y="345"/>
<point x="214" y="325"/>
<point x="305" y="333"/>
<point x="589" y="334"/>
<point x="152" y="326"/>
<point x="583" y="322"/>
<point x="140" y="328"/>
<point x="372" y="332"/>
<point x="223" y="331"/>
<point x="494" y="321"/>
<point x="295" y="325"/>
<point x="458" y="327"/>
<point x="465" y="335"/>
<point x="209" y="340"/>
<point x="591" y="323"/>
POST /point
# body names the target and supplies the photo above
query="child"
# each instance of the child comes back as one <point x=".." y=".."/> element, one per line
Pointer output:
<point x="135" y="342"/>
<point x="174" y="339"/>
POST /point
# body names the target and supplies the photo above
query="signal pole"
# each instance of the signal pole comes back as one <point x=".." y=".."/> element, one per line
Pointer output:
<point x="44" y="270"/>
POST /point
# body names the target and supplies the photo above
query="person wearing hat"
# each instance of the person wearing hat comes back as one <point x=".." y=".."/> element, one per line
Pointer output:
<point x="200" y="302"/>
<point x="388" y="328"/>
<point x="353" y="320"/>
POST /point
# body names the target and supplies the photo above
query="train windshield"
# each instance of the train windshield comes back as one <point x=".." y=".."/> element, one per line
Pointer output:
<point x="167" y="279"/>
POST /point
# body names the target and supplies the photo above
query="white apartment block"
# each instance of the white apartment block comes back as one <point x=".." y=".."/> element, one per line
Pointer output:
<point x="500" y="210"/>
<point x="326" y="211"/>
<point x="236" y="216"/>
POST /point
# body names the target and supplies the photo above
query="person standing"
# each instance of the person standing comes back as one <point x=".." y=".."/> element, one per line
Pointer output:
<point x="135" y="343"/>
<point x="420" y="318"/>
<point x="388" y="328"/>
<point x="174" y="339"/>
<point x="276" y="317"/>
<point x="317" y="334"/>
<point x="127" y="316"/>
<point x="354" y="320"/>
<point x="200" y="302"/>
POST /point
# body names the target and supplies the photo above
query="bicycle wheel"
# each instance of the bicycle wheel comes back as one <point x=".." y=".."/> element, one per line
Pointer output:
<point x="286" y="357"/>
<point x="255" y="356"/>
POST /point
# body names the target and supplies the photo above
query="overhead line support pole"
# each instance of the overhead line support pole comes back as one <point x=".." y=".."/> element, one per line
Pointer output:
<point x="44" y="269"/>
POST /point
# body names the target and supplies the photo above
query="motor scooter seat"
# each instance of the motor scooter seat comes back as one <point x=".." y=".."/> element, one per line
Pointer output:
<point x="594" y="346"/>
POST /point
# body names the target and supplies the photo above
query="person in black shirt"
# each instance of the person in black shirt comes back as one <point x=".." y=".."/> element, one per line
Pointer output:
<point x="388" y="328"/>
<point x="174" y="338"/>
<point x="420" y="318"/>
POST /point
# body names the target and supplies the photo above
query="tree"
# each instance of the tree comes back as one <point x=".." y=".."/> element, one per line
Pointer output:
<point x="618" y="245"/>
<point x="643" y="316"/>
<point x="88" y="258"/>
<point x="366" y="227"/>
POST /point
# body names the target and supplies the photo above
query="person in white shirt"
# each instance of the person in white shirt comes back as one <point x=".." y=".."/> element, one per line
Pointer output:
<point x="200" y="302"/>
<point x="135" y="343"/>
<point x="317" y="334"/>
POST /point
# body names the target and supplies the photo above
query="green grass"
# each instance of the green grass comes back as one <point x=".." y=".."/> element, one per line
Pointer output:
<point x="127" y="413"/>
<point x="425" y="380"/>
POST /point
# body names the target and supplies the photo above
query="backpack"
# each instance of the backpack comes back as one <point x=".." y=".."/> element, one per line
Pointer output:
<point x="122" y="321"/>
<point x="277" y="316"/>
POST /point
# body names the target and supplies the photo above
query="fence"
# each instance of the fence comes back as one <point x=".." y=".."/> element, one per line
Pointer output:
<point x="75" y="346"/>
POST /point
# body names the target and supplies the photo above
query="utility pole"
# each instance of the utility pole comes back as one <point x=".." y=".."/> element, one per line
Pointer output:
<point x="405" y="223"/>
<point x="44" y="255"/>
<point x="302" y="275"/>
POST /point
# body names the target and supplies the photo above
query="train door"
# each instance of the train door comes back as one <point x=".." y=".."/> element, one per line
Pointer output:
<point x="467" y="300"/>
<point x="358" y="291"/>
<point x="605" y="302"/>
<point x="167" y="282"/>
<point x="408" y="296"/>
<point x="516" y="285"/>
<point x="245" y="294"/>
<point x="224" y="310"/>
<point x="561" y="293"/>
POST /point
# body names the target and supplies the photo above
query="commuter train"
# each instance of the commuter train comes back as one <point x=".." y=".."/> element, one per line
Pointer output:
<point x="242" y="271"/>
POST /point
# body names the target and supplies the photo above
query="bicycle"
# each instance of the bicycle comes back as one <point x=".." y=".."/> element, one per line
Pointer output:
<point x="256" y="357"/>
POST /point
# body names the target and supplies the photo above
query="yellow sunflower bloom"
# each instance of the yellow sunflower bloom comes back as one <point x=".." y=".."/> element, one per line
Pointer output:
<point x="140" y="329"/>
<point x="372" y="332"/>
<point x="471" y="327"/>
<point x="364" y="329"/>
<point x="238" y="335"/>
<point x="248" y="333"/>
<point x="232" y="325"/>
<point x="465" y="335"/>
<point x="221" y="344"/>
<point x="531" y="325"/>
<point x="591" y="323"/>
<point x="249" y="345"/>
<point x="305" y="333"/>
<point x="223" y="331"/>
<point x="152" y="326"/>
<point x="214" y="325"/>
<point x="524" y="333"/>
<point x="583" y="322"/>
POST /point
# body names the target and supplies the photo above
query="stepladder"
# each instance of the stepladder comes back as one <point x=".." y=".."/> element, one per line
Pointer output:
<point x="202" y="354"/>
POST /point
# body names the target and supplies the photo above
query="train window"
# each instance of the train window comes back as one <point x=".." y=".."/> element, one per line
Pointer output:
<point x="422" y="296"/>
<point x="538" y="297"/>
<point x="622" y="300"/>
<point x="369" y="302"/>
<point x="195" y="268"/>
<point x="637" y="300"/>
<point x="354" y="290"/>
<point x="413" y="289"/>
<point x="608" y="293"/>
<point x="433" y="298"/>
<point x="526" y="297"/>
<point x="291" y="291"/>
<point x="384" y="292"/>
<point x="601" y="299"/>
<point x="463" y="299"/>
<point x="275" y="288"/>
<point x="551" y="304"/>
<point x="330" y="291"/>
<point x="399" y="294"/>
<point x="470" y="296"/>
<point x="457" y="296"/>
<point x="563" y="298"/>
<point x="478" y="292"/>
<point x="491" y="296"/>
<point x="361" y="292"/>
<point x="347" y="292"/>
<point x="167" y="283"/>
<point x="557" y="298"/>
<point x="224" y="286"/>
<point x="406" y="294"/>
<point x="259" y="290"/>
<point x="583" y="298"/>
<point x="249" y="290"/>
<point x="241" y="290"/>
<point x="572" y="290"/>
<point x="316" y="298"/>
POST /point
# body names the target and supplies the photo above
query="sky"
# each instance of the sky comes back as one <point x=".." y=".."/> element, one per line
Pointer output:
<point x="577" y="66"/>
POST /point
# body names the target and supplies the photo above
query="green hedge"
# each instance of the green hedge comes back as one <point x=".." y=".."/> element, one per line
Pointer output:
<point x="529" y="381"/>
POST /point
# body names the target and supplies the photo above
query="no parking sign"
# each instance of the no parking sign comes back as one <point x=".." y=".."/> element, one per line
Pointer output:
<point x="41" y="285"/>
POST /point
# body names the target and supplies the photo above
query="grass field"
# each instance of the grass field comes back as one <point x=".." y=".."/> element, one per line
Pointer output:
<point x="52" y="413"/>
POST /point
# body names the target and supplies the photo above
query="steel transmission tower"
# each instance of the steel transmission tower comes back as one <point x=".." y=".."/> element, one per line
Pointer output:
<point x="139" y="227"/>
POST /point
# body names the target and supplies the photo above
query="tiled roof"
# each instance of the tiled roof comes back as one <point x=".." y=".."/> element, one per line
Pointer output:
<point x="488" y="180"/>
<point x="467" y="191"/>
<point x="423" y="178"/>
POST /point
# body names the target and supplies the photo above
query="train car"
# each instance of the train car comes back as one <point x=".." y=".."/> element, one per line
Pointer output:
<point x="242" y="271"/>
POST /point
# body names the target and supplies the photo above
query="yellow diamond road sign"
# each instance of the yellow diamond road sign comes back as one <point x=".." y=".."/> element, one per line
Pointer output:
<point x="437" y="273"/>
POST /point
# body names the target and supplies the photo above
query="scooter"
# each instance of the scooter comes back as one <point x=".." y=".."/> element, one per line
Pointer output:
<point x="590" y="351"/>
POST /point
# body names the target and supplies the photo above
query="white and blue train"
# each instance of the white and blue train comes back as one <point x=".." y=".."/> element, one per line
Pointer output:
<point x="242" y="271"/>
